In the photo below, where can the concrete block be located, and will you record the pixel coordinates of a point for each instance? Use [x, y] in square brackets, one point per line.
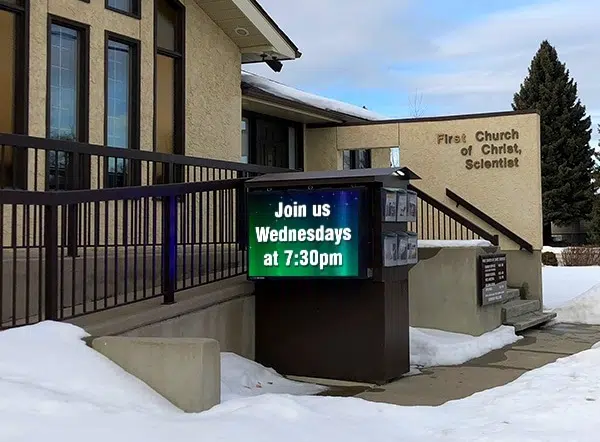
[530, 320]
[186, 371]
[519, 307]
[443, 292]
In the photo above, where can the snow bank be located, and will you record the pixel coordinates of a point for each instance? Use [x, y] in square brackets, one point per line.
[454, 243]
[326, 104]
[563, 284]
[242, 378]
[430, 347]
[48, 368]
[56, 389]
[583, 309]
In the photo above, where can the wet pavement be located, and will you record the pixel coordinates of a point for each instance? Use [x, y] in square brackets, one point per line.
[438, 385]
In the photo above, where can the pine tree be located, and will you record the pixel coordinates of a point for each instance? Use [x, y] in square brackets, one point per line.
[594, 225]
[567, 164]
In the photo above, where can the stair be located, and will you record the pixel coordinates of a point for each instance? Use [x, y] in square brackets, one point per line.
[530, 320]
[523, 314]
[512, 294]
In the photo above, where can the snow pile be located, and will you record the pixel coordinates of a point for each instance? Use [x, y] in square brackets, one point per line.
[563, 284]
[290, 93]
[47, 368]
[54, 388]
[583, 309]
[454, 243]
[242, 378]
[430, 347]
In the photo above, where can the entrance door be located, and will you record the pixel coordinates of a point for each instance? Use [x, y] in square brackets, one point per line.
[272, 143]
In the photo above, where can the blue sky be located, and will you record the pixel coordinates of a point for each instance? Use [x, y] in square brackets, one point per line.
[448, 56]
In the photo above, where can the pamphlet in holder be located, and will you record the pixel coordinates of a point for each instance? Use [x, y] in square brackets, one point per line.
[411, 198]
[389, 204]
[390, 250]
[402, 205]
[413, 248]
[402, 249]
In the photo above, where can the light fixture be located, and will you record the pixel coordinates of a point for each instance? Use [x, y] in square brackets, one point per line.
[273, 63]
[242, 32]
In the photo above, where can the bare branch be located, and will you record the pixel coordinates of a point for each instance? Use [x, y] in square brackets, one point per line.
[415, 105]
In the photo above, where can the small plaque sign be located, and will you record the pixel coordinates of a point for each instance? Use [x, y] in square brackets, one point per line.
[492, 278]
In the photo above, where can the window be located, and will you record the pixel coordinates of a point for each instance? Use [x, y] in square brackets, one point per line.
[13, 93]
[122, 86]
[68, 92]
[357, 159]
[127, 7]
[169, 83]
[245, 140]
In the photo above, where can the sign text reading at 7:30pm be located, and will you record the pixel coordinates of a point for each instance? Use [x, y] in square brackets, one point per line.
[304, 258]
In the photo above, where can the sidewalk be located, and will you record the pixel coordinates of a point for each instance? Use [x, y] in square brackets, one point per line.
[438, 385]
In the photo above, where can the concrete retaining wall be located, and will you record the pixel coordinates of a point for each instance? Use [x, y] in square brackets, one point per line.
[443, 292]
[187, 372]
[223, 311]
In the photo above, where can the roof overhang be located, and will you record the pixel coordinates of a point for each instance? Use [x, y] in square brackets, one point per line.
[251, 29]
[259, 101]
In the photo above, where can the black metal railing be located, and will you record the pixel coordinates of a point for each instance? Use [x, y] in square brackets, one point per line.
[86, 245]
[33, 163]
[523, 244]
[436, 221]
[171, 237]
[41, 164]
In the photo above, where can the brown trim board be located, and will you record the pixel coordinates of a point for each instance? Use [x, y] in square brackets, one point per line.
[427, 119]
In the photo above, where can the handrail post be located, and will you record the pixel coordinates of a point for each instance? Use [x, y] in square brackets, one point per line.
[51, 261]
[73, 169]
[241, 217]
[169, 242]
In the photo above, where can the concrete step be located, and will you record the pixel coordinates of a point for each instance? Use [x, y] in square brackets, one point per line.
[530, 320]
[519, 307]
[512, 293]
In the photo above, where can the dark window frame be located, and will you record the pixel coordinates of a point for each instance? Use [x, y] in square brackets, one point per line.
[134, 168]
[353, 156]
[179, 88]
[82, 179]
[21, 88]
[135, 13]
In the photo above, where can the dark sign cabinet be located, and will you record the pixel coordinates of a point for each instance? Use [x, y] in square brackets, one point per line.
[354, 329]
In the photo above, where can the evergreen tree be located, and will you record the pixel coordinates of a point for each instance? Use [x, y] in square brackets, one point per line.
[594, 225]
[567, 164]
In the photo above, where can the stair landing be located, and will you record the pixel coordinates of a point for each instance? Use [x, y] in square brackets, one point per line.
[523, 314]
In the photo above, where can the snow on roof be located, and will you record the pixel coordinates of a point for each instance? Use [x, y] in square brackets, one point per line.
[289, 93]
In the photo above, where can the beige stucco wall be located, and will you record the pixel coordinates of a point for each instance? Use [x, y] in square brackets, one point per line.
[213, 95]
[512, 195]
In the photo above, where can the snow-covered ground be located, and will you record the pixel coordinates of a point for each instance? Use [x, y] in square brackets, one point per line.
[430, 348]
[563, 284]
[573, 293]
[242, 378]
[55, 388]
